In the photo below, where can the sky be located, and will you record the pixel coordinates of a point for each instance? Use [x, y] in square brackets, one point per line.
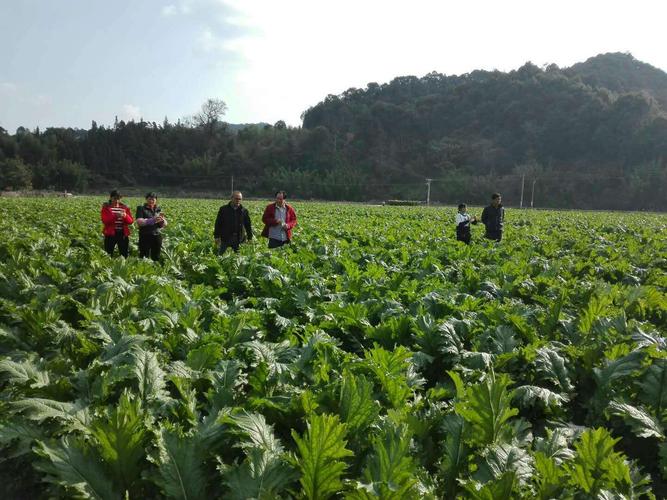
[65, 63]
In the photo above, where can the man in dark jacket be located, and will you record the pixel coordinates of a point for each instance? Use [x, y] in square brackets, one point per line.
[232, 225]
[493, 217]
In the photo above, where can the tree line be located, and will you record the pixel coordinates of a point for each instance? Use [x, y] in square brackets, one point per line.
[571, 141]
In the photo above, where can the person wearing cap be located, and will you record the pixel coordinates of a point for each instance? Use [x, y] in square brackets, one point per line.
[493, 218]
[150, 220]
[232, 225]
[279, 219]
[116, 218]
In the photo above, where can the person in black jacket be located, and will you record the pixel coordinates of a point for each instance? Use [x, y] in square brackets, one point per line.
[493, 217]
[150, 220]
[232, 225]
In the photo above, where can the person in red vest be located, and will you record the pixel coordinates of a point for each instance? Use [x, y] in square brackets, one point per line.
[117, 219]
[279, 219]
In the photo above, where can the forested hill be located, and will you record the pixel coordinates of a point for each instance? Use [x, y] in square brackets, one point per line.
[622, 73]
[590, 136]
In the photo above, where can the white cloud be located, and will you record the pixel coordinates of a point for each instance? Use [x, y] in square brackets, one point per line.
[295, 52]
[8, 88]
[130, 112]
[169, 10]
[184, 7]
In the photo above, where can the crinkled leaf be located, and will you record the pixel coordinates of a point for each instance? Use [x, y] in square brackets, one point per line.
[358, 408]
[641, 422]
[529, 395]
[81, 473]
[321, 451]
[180, 473]
[487, 408]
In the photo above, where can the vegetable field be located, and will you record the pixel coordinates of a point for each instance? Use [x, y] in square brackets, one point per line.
[376, 357]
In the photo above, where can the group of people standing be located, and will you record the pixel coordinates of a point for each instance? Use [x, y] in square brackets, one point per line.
[232, 225]
[493, 218]
[117, 219]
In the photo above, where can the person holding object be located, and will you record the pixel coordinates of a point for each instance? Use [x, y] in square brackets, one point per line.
[232, 225]
[116, 218]
[493, 217]
[463, 221]
[150, 220]
[279, 219]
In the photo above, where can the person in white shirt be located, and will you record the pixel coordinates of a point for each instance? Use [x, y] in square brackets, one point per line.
[463, 221]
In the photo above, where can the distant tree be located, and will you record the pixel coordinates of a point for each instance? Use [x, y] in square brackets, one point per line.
[14, 174]
[209, 116]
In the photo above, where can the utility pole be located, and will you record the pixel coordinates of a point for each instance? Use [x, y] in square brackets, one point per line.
[232, 185]
[523, 179]
[532, 194]
[428, 191]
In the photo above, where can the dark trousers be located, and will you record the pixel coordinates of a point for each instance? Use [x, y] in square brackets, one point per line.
[465, 238]
[494, 235]
[119, 239]
[150, 245]
[273, 243]
[228, 244]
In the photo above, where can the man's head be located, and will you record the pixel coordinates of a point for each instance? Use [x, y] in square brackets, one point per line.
[281, 196]
[236, 199]
[496, 199]
[462, 208]
[151, 198]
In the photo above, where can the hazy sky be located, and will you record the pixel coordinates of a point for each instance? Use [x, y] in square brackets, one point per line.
[68, 62]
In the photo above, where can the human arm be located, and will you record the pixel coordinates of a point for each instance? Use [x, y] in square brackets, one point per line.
[127, 216]
[219, 226]
[485, 216]
[107, 216]
[290, 217]
[269, 217]
[247, 224]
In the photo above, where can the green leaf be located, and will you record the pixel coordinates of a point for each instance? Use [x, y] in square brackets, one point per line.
[227, 380]
[205, 357]
[654, 386]
[596, 465]
[487, 408]
[617, 369]
[321, 450]
[390, 471]
[555, 445]
[529, 395]
[40, 409]
[494, 490]
[391, 368]
[150, 377]
[254, 427]
[642, 423]
[551, 366]
[180, 473]
[358, 408]
[121, 438]
[262, 476]
[23, 373]
[548, 476]
[502, 458]
[68, 465]
[455, 453]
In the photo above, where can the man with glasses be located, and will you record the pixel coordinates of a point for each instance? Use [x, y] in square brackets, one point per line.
[232, 225]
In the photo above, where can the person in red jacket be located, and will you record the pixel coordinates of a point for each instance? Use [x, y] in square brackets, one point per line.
[279, 219]
[117, 219]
